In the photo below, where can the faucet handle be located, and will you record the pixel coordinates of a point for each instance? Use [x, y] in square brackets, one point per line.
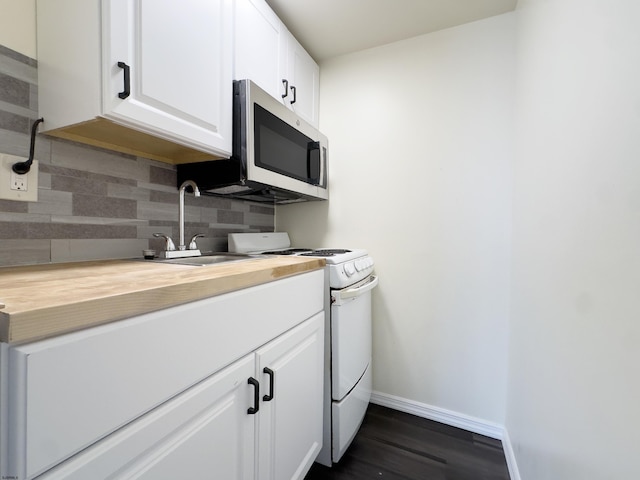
[192, 243]
[169, 245]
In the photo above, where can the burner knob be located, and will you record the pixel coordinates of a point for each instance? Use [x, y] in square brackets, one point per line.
[349, 269]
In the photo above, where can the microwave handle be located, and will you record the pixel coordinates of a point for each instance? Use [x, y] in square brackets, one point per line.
[312, 147]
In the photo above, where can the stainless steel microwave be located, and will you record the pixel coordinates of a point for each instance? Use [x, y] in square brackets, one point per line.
[277, 157]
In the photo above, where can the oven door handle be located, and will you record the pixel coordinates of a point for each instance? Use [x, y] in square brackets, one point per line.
[356, 292]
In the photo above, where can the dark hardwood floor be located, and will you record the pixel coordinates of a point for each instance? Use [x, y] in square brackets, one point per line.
[392, 445]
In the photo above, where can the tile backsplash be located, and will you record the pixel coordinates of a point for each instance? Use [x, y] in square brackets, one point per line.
[93, 203]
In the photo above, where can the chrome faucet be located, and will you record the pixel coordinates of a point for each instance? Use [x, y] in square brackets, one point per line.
[181, 251]
[196, 192]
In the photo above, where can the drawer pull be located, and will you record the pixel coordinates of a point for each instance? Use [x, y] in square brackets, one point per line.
[272, 375]
[256, 396]
[127, 81]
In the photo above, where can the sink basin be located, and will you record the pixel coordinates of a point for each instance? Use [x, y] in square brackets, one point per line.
[211, 259]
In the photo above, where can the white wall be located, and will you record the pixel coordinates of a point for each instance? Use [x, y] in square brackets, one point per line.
[574, 381]
[18, 26]
[420, 134]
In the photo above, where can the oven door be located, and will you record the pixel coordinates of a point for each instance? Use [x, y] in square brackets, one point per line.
[350, 335]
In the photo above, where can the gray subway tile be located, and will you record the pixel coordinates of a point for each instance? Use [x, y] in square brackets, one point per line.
[17, 143]
[12, 206]
[14, 91]
[78, 185]
[229, 216]
[164, 197]
[162, 176]
[157, 211]
[14, 230]
[24, 252]
[52, 202]
[14, 122]
[118, 190]
[97, 206]
[74, 250]
[70, 231]
[9, 53]
[266, 210]
[18, 69]
[94, 160]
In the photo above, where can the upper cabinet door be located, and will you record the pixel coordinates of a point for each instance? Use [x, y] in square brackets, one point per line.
[304, 78]
[167, 68]
[268, 54]
[260, 46]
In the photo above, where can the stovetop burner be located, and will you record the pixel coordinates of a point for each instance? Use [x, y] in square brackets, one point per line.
[325, 252]
[290, 251]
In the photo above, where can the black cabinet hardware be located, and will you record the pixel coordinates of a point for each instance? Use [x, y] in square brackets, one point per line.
[271, 373]
[285, 82]
[256, 396]
[127, 81]
[293, 89]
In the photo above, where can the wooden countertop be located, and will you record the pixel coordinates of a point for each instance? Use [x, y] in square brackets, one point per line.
[46, 300]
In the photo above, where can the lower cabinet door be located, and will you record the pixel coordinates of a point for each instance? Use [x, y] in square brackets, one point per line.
[290, 369]
[204, 432]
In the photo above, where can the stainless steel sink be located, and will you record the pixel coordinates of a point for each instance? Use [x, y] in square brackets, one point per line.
[211, 259]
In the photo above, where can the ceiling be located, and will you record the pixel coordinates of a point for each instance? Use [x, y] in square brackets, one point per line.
[328, 28]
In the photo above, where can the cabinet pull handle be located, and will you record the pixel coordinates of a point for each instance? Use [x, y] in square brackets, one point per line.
[293, 89]
[256, 396]
[285, 82]
[272, 375]
[127, 81]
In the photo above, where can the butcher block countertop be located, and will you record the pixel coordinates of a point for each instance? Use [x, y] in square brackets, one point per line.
[39, 301]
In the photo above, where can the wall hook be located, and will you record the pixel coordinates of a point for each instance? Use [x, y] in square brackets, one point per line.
[23, 167]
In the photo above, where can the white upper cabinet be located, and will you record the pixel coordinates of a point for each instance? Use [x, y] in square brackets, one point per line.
[268, 54]
[260, 46]
[148, 77]
[176, 54]
[303, 74]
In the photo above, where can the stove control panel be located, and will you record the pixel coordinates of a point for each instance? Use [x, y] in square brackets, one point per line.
[347, 273]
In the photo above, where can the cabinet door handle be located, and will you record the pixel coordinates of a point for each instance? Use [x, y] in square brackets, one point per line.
[293, 89]
[256, 396]
[127, 81]
[285, 82]
[272, 376]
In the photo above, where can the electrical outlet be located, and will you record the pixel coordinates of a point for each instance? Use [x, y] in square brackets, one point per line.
[22, 188]
[18, 182]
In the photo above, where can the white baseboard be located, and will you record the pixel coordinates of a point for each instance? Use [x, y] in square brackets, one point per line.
[438, 414]
[454, 419]
[514, 473]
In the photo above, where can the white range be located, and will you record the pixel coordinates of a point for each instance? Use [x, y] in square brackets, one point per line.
[349, 280]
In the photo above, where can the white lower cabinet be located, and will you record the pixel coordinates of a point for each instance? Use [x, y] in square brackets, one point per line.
[133, 399]
[203, 433]
[290, 423]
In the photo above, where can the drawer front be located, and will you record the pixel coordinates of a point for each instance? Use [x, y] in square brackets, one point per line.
[67, 392]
